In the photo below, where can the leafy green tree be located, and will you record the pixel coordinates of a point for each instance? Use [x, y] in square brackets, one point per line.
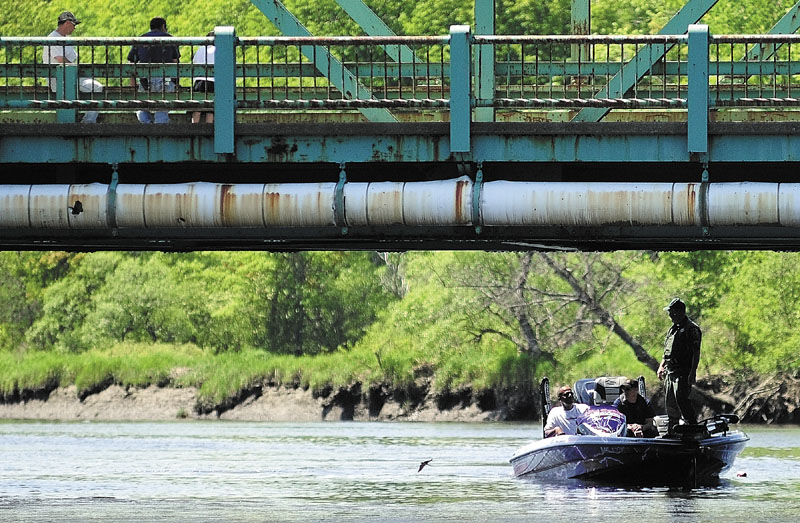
[68, 301]
[307, 303]
[760, 311]
[143, 301]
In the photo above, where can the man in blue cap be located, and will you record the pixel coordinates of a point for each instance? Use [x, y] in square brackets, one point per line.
[678, 368]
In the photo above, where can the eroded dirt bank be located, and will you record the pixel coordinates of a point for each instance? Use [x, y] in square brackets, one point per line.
[756, 400]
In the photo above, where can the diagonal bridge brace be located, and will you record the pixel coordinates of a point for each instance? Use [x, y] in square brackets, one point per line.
[788, 24]
[339, 76]
[645, 59]
[374, 26]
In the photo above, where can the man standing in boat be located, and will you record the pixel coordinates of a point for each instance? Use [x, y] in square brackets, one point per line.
[564, 419]
[678, 368]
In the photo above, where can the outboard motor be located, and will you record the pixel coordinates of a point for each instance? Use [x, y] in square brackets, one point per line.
[602, 421]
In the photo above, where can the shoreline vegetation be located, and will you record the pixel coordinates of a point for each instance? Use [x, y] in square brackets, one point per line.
[167, 382]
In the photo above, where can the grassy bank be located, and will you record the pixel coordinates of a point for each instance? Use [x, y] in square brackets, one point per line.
[220, 378]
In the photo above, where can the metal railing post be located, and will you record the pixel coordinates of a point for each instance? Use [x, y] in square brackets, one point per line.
[224, 89]
[460, 81]
[484, 59]
[698, 92]
[67, 89]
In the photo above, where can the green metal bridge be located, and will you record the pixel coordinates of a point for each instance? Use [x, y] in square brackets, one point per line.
[470, 140]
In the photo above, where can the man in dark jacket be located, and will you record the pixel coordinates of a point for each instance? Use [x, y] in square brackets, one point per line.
[678, 368]
[639, 413]
[155, 54]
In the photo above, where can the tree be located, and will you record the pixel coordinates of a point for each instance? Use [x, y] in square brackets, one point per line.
[307, 303]
[143, 301]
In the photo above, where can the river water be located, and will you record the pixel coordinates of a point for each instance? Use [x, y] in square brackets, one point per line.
[237, 471]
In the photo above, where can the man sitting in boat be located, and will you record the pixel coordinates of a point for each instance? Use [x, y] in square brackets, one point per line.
[639, 413]
[564, 419]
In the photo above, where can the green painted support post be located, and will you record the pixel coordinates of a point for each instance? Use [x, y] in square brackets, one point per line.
[580, 24]
[698, 92]
[224, 89]
[647, 56]
[374, 26]
[484, 59]
[325, 63]
[67, 89]
[460, 80]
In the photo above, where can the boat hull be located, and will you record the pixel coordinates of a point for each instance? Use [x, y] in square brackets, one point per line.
[629, 460]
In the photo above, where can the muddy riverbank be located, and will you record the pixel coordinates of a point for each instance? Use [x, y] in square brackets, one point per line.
[754, 399]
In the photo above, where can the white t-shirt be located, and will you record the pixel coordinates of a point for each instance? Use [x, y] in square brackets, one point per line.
[566, 419]
[51, 52]
[204, 56]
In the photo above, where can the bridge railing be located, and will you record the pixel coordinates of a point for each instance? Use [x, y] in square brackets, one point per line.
[583, 71]
[270, 72]
[754, 70]
[694, 72]
[100, 76]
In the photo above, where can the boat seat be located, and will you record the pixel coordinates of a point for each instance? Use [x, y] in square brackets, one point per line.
[607, 389]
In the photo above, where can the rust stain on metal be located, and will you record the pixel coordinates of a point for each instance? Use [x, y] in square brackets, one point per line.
[226, 203]
[280, 148]
[461, 186]
[272, 207]
[691, 201]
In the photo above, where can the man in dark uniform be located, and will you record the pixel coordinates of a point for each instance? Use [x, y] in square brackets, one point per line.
[678, 369]
[639, 413]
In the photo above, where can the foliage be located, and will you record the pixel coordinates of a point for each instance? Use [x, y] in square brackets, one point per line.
[429, 17]
[226, 322]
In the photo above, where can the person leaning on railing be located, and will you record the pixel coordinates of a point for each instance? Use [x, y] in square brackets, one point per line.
[155, 54]
[67, 54]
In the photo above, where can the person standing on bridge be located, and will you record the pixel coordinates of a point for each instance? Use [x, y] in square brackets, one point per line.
[678, 368]
[155, 54]
[67, 54]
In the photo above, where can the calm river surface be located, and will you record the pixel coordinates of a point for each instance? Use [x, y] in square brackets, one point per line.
[236, 471]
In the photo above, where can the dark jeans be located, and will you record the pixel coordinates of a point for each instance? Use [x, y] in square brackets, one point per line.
[676, 399]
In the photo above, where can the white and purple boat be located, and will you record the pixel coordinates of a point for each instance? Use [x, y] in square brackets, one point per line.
[602, 453]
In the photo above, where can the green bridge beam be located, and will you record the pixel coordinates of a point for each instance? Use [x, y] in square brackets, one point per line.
[374, 26]
[635, 70]
[340, 76]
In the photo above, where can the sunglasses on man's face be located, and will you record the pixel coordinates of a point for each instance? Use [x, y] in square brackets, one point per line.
[566, 395]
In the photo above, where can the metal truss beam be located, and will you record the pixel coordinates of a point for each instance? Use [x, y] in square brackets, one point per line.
[413, 238]
[788, 24]
[383, 144]
[374, 26]
[340, 76]
[623, 81]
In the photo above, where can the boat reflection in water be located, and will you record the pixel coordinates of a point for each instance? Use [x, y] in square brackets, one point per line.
[697, 455]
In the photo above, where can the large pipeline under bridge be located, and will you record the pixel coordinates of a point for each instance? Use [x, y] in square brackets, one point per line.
[453, 214]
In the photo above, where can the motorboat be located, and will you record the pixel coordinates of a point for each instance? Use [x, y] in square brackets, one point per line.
[601, 452]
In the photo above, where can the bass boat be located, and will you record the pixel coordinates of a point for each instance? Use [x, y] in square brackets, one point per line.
[696, 455]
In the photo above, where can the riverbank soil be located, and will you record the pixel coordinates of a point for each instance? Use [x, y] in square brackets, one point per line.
[755, 399]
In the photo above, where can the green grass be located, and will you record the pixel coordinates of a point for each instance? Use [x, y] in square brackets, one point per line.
[222, 378]
[30, 372]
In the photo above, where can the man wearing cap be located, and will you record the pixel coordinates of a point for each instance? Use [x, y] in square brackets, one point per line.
[155, 54]
[66, 54]
[564, 419]
[639, 413]
[678, 368]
